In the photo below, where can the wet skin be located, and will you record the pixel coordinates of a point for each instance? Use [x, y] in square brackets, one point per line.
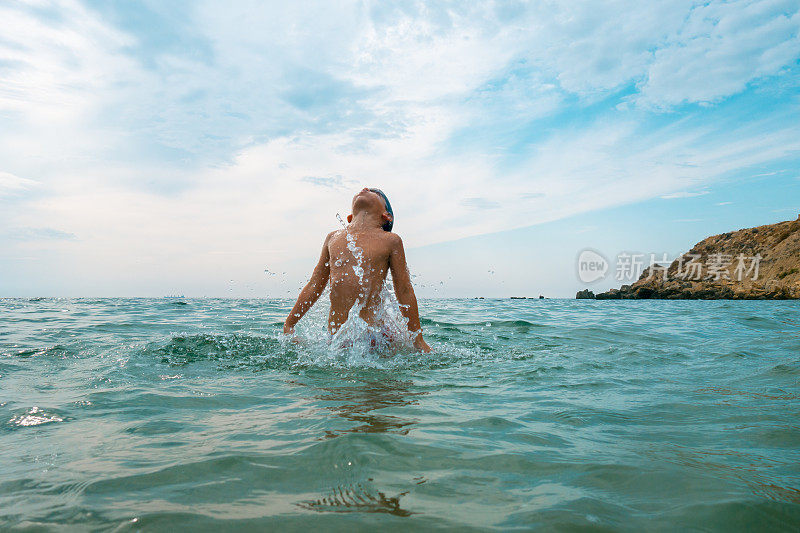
[347, 289]
[357, 270]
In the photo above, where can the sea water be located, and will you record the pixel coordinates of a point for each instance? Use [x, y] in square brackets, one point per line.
[155, 414]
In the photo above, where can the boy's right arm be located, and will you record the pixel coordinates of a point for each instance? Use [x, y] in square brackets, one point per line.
[312, 290]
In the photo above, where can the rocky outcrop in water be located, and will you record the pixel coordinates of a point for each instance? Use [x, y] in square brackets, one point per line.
[761, 263]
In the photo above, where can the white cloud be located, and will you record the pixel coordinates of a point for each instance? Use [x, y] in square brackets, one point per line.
[479, 203]
[258, 212]
[720, 49]
[590, 46]
[295, 105]
[683, 194]
[39, 234]
[56, 66]
[11, 184]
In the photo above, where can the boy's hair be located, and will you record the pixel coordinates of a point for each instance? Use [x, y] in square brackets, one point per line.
[387, 226]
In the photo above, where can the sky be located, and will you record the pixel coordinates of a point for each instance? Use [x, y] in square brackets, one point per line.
[201, 148]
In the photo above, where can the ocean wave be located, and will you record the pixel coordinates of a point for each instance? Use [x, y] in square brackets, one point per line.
[57, 350]
[484, 324]
[232, 349]
[262, 353]
[35, 416]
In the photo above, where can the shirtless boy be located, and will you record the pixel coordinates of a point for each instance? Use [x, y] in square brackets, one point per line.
[374, 250]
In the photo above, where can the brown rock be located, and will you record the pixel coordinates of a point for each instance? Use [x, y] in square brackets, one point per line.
[727, 268]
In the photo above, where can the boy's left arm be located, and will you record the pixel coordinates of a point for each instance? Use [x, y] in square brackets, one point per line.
[401, 279]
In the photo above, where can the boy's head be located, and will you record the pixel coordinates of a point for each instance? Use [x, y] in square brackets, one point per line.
[375, 200]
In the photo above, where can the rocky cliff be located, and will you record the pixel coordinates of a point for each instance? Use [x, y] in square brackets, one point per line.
[761, 263]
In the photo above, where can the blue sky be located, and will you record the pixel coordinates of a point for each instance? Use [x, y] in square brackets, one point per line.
[149, 148]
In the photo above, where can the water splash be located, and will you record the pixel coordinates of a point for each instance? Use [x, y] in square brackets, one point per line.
[355, 343]
[358, 254]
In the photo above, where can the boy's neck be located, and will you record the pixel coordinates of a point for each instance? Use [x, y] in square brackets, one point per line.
[364, 220]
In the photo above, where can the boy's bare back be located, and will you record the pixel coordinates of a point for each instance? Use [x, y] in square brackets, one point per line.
[357, 272]
[356, 260]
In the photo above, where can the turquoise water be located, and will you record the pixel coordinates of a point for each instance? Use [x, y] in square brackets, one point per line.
[120, 414]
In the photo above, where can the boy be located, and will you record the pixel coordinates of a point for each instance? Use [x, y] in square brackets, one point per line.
[356, 260]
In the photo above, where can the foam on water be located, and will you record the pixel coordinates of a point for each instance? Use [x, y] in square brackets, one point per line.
[355, 343]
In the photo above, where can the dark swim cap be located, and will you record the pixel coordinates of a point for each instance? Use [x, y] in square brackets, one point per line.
[388, 225]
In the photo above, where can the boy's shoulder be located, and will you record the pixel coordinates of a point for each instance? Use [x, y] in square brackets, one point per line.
[385, 236]
[393, 238]
[390, 240]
